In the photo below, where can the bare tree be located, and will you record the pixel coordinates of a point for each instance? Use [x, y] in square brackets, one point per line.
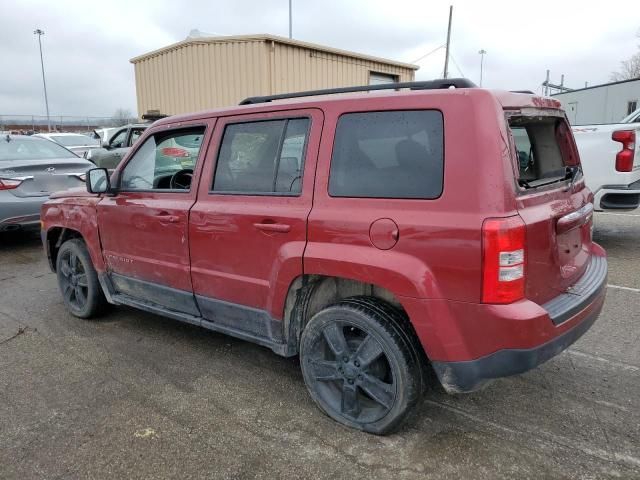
[630, 68]
[123, 116]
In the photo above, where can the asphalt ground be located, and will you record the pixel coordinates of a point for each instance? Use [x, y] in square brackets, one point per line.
[134, 395]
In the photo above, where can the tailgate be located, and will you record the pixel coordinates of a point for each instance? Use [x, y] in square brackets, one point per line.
[552, 201]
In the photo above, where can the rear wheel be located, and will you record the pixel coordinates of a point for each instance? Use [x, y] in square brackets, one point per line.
[359, 366]
[78, 280]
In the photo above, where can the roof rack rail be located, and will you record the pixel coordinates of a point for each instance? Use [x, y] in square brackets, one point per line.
[442, 83]
[153, 116]
[522, 91]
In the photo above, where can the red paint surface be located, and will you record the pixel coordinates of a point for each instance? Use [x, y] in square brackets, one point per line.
[215, 247]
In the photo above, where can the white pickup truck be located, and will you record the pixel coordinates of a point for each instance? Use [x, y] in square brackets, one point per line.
[610, 156]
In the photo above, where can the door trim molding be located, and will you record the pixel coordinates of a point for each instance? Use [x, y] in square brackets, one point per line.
[246, 323]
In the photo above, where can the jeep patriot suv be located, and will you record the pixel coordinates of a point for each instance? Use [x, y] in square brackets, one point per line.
[380, 236]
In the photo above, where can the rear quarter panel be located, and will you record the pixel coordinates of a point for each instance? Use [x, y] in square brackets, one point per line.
[438, 253]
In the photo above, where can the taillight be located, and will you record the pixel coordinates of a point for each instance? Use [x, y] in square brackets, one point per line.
[503, 249]
[9, 183]
[624, 158]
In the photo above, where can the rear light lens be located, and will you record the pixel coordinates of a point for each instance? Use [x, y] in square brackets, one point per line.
[625, 157]
[503, 270]
[9, 183]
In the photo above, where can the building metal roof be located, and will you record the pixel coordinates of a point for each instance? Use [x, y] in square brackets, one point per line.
[597, 86]
[270, 38]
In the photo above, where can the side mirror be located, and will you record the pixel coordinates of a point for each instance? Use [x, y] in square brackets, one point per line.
[105, 144]
[98, 181]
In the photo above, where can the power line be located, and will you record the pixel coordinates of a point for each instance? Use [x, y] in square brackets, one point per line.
[457, 66]
[427, 54]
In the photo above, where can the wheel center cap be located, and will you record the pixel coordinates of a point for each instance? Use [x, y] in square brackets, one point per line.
[74, 280]
[350, 372]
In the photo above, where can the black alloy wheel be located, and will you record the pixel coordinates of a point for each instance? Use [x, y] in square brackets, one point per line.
[358, 365]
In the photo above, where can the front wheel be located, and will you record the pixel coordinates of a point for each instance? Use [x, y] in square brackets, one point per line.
[359, 366]
[78, 280]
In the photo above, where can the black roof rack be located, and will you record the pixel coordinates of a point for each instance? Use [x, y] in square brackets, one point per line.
[523, 91]
[441, 83]
[153, 116]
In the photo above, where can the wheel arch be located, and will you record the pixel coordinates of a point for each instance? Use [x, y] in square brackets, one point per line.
[57, 235]
[309, 294]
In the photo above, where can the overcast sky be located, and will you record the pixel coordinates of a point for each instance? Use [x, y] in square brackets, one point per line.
[87, 45]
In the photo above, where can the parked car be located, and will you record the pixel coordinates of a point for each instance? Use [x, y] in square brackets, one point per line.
[610, 155]
[76, 142]
[104, 134]
[30, 169]
[111, 151]
[372, 235]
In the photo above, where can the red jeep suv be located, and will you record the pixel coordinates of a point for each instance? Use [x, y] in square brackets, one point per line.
[377, 235]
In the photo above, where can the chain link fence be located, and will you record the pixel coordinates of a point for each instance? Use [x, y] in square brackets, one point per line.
[60, 123]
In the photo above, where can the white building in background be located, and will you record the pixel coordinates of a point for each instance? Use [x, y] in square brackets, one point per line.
[606, 103]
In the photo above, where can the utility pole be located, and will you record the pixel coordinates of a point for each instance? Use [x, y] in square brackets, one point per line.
[482, 53]
[546, 85]
[44, 82]
[446, 54]
[290, 21]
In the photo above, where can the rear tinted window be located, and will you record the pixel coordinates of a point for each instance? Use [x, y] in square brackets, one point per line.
[396, 154]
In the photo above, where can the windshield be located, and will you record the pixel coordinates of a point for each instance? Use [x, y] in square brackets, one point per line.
[29, 148]
[75, 140]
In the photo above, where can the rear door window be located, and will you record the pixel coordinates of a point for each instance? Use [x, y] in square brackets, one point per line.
[391, 154]
[264, 157]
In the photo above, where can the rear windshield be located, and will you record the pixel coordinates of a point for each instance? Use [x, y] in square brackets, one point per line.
[75, 140]
[25, 148]
[544, 149]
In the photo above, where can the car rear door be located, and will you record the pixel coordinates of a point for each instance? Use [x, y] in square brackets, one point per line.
[248, 227]
[144, 227]
[555, 206]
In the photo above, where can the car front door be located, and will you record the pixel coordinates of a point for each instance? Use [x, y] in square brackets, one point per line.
[110, 156]
[144, 226]
[248, 227]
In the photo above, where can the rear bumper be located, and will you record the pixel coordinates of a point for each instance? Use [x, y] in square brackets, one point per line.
[19, 212]
[551, 328]
[460, 377]
[618, 197]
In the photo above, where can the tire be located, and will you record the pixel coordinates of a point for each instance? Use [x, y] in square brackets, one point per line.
[360, 366]
[78, 280]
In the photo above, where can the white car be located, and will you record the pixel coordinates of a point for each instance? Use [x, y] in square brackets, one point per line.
[75, 142]
[610, 156]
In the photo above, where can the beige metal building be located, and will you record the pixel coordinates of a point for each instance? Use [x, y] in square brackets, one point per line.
[202, 73]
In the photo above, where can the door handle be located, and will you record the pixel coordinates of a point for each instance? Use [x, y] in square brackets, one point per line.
[273, 227]
[168, 218]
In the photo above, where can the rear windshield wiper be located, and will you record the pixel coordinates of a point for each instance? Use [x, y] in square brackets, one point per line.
[572, 174]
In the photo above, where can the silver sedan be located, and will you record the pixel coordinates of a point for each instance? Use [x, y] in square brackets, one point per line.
[30, 170]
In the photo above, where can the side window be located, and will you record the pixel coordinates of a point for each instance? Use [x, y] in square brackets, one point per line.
[262, 157]
[136, 133]
[395, 154]
[160, 157]
[119, 139]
